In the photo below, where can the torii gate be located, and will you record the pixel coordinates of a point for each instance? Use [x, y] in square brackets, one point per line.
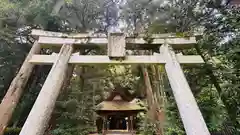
[117, 43]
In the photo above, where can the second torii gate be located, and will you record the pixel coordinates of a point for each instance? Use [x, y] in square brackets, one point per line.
[116, 43]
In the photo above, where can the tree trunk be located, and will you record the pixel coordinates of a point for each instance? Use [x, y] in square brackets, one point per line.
[159, 96]
[16, 89]
[39, 116]
[151, 100]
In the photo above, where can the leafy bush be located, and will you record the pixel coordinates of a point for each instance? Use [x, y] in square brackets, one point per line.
[12, 131]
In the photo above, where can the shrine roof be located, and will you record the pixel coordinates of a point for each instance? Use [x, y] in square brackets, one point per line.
[120, 106]
[120, 100]
[122, 92]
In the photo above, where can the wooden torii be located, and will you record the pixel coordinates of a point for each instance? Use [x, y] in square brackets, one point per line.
[116, 43]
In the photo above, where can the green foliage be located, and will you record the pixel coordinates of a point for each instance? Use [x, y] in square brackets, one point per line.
[145, 125]
[12, 131]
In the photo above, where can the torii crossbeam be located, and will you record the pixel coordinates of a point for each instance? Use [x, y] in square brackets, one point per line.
[116, 43]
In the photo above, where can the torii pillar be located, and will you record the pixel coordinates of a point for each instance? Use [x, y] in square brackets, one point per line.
[191, 116]
[39, 116]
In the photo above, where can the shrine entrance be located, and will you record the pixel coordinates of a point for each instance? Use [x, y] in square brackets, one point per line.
[118, 122]
[118, 113]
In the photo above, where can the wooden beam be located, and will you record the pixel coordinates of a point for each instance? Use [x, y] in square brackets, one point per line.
[106, 60]
[191, 59]
[42, 33]
[97, 59]
[103, 59]
[16, 89]
[131, 43]
[39, 116]
[192, 118]
[82, 41]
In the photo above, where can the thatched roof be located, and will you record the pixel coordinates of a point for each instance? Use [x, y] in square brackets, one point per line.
[119, 106]
[120, 100]
[123, 92]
